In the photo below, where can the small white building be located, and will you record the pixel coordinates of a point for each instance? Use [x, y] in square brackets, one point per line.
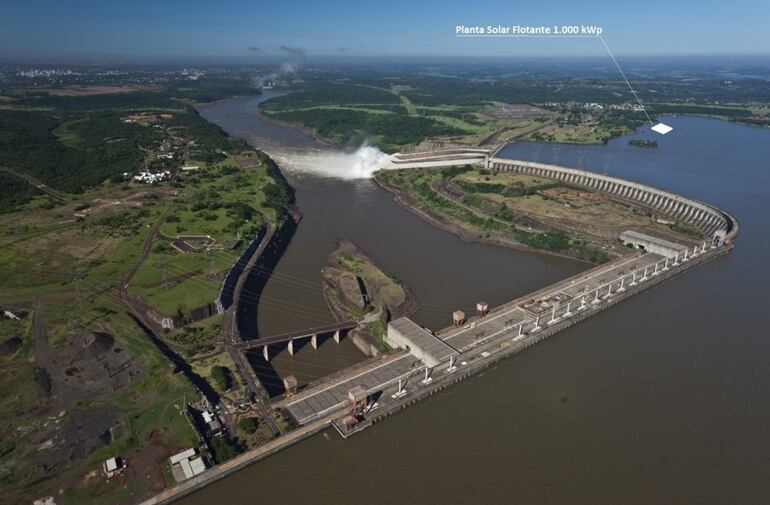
[152, 178]
[112, 467]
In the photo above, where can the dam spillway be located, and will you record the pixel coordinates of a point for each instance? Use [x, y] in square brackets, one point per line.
[528, 319]
[707, 218]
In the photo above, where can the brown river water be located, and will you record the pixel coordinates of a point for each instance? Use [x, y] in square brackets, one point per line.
[663, 399]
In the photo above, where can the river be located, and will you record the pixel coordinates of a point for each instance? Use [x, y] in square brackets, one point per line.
[660, 400]
[425, 258]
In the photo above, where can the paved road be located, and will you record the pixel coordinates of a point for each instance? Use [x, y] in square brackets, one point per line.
[518, 319]
[327, 398]
[232, 339]
[36, 183]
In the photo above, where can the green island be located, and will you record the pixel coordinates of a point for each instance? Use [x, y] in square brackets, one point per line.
[356, 288]
[643, 143]
[518, 210]
[117, 205]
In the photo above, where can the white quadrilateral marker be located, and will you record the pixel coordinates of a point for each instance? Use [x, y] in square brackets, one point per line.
[662, 128]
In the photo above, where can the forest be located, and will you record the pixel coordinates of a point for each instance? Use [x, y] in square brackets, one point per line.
[72, 143]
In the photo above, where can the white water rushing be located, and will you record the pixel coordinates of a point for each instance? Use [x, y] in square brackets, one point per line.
[360, 164]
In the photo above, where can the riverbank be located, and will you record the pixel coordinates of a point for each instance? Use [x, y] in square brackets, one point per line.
[483, 356]
[649, 366]
[465, 233]
[294, 126]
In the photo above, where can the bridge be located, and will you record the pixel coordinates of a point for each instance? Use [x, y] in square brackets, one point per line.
[424, 361]
[334, 329]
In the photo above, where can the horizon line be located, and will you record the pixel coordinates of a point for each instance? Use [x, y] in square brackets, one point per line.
[267, 59]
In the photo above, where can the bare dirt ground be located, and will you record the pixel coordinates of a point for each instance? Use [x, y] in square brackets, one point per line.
[147, 464]
[71, 423]
[515, 111]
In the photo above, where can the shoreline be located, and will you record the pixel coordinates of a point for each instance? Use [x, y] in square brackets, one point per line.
[294, 126]
[290, 438]
[496, 354]
[409, 306]
[362, 336]
[464, 234]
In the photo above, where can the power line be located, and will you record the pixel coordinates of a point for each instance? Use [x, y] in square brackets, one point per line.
[626, 79]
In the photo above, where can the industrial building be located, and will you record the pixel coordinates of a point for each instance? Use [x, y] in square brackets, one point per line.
[420, 343]
[186, 465]
[655, 245]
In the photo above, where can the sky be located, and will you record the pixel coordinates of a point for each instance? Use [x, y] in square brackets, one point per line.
[258, 29]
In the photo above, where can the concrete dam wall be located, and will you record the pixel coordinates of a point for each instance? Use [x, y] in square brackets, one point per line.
[705, 217]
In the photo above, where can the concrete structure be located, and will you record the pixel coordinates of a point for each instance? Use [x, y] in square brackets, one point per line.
[541, 313]
[502, 332]
[458, 317]
[197, 465]
[420, 343]
[112, 467]
[290, 385]
[322, 399]
[707, 218]
[187, 454]
[516, 325]
[357, 399]
[652, 244]
[289, 338]
[186, 465]
[440, 158]
[213, 424]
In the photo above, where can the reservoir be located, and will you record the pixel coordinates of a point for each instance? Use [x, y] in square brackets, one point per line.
[662, 399]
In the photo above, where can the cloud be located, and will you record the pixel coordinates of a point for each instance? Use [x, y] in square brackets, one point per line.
[296, 57]
[254, 49]
[294, 52]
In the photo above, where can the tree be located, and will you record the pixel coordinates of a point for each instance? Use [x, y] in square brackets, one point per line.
[224, 449]
[249, 424]
[221, 377]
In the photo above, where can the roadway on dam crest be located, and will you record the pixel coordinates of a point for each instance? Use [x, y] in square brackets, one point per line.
[625, 409]
[514, 321]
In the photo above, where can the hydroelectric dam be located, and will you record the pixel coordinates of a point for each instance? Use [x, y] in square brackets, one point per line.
[424, 362]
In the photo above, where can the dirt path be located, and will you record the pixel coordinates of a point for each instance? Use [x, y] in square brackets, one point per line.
[146, 248]
[44, 362]
[42, 350]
